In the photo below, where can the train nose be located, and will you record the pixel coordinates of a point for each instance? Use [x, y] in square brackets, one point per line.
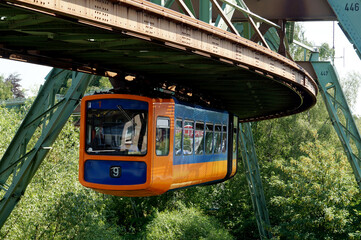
[115, 172]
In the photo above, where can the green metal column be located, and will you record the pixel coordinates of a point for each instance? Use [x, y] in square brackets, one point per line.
[205, 11]
[253, 176]
[339, 112]
[159, 2]
[228, 11]
[22, 159]
[348, 14]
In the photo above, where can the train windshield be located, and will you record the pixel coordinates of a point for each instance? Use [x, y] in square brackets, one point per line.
[116, 127]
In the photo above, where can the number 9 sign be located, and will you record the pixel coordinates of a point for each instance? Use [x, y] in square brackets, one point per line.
[115, 172]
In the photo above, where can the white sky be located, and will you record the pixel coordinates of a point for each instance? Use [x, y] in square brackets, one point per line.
[346, 58]
[317, 32]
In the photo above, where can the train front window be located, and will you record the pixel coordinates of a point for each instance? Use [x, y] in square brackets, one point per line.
[116, 127]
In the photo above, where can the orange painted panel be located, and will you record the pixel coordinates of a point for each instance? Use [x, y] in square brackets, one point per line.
[83, 156]
[234, 167]
[162, 165]
[196, 173]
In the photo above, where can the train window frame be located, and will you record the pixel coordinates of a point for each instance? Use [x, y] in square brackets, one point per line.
[207, 130]
[203, 137]
[217, 142]
[95, 124]
[191, 152]
[160, 126]
[224, 138]
[178, 152]
[235, 137]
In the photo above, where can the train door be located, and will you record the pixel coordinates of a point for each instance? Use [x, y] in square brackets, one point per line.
[235, 133]
[162, 143]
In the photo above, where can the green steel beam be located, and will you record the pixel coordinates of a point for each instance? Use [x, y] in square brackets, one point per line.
[340, 113]
[189, 4]
[205, 11]
[159, 2]
[21, 160]
[272, 39]
[224, 18]
[228, 11]
[348, 15]
[253, 176]
[242, 7]
[169, 3]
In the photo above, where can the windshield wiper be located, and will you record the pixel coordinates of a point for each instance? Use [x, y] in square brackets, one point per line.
[125, 114]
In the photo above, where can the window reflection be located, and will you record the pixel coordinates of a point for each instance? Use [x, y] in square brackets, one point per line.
[162, 136]
[114, 127]
[199, 138]
[188, 132]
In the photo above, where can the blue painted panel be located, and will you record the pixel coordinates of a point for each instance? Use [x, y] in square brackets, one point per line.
[189, 159]
[114, 103]
[98, 171]
[197, 113]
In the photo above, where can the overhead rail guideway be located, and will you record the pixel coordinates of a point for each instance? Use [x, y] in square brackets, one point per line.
[229, 54]
[163, 46]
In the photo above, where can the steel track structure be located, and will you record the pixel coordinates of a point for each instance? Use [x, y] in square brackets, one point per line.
[198, 46]
[160, 45]
[22, 158]
[339, 112]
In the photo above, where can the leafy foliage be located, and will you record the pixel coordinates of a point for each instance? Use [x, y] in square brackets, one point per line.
[185, 223]
[5, 89]
[310, 189]
[311, 194]
[350, 85]
[55, 205]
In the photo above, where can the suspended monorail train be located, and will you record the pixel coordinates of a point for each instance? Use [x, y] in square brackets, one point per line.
[138, 146]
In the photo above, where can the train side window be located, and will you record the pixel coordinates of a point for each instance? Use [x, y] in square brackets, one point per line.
[188, 133]
[217, 138]
[199, 138]
[224, 138]
[178, 137]
[209, 138]
[162, 136]
[235, 124]
[234, 143]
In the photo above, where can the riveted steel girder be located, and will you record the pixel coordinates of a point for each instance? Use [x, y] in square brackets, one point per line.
[21, 160]
[250, 163]
[339, 112]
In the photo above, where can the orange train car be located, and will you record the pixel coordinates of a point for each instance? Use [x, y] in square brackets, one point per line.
[138, 146]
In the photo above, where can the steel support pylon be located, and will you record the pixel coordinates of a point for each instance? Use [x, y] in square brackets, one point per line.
[339, 112]
[348, 15]
[21, 160]
[253, 176]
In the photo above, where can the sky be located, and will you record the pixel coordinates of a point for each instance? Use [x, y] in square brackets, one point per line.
[316, 32]
[346, 59]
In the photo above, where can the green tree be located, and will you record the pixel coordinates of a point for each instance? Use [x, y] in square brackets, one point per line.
[185, 223]
[350, 85]
[5, 89]
[311, 195]
[327, 53]
[55, 205]
[16, 89]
